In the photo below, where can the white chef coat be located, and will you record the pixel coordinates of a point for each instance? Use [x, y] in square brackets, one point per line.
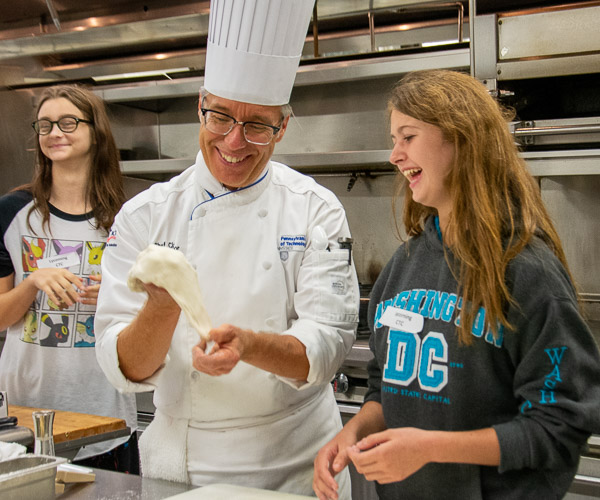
[257, 269]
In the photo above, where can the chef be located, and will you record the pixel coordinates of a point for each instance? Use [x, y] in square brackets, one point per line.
[254, 405]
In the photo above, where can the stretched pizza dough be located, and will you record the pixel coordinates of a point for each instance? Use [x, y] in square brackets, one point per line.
[169, 269]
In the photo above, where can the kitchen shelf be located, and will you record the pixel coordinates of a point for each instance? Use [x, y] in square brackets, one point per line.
[570, 162]
[541, 163]
[310, 74]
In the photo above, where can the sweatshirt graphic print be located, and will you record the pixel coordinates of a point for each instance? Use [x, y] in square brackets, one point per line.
[535, 384]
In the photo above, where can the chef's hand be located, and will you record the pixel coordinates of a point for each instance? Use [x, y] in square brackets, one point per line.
[331, 459]
[227, 350]
[160, 300]
[89, 294]
[391, 455]
[59, 285]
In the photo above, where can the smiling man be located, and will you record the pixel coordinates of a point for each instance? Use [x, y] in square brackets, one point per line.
[255, 405]
[237, 139]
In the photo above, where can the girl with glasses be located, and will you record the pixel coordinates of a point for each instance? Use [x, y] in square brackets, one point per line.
[53, 232]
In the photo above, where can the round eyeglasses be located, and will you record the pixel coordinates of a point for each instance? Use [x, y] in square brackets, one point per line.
[66, 124]
[254, 132]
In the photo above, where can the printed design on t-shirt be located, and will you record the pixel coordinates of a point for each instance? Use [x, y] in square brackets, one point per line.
[94, 251]
[49, 305]
[84, 335]
[30, 327]
[423, 356]
[46, 324]
[65, 247]
[55, 330]
[32, 249]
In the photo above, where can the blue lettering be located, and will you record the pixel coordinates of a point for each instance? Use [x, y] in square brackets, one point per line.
[401, 298]
[438, 304]
[555, 373]
[479, 323]
[426, 307]
[433, 376]
[498, 339]
[554, 355]
[378, 313]
[449, 308]
[401, 364]
[549, 395]
[416, 296]
[381, 307]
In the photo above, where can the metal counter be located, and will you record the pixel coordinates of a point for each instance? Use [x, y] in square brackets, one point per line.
[119, 486]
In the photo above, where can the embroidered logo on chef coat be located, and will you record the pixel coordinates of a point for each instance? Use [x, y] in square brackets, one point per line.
[112, 238]
[291, 243]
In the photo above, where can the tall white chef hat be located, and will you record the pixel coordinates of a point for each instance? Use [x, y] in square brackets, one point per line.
[254, 48]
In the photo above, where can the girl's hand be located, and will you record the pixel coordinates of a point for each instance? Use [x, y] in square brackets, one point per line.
[59, 284]
[89, 294]
[330, 460]
[391, 455]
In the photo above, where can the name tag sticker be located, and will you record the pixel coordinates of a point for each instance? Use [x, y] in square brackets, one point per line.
[59, 261]
[400, 319]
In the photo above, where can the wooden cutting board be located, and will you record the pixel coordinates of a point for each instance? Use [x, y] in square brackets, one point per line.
[69, 425]
[229, 492]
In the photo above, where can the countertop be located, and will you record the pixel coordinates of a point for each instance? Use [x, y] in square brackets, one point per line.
[110, 485]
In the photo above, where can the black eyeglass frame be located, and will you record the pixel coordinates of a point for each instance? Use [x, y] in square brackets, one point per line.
[243, 124]
[35, 124]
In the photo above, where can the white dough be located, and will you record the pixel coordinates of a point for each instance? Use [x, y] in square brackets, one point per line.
[169, 269]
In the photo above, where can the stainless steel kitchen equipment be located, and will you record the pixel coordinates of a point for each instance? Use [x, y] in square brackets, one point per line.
[28, 476]
[542, 58]
[43, 423]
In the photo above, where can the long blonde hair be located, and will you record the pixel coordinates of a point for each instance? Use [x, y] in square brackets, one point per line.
[496, 203]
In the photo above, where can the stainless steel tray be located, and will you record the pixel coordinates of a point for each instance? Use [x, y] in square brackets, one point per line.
[29, 476]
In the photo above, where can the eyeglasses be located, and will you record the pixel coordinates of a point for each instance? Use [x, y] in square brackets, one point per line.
[254, 132]
[66, 124]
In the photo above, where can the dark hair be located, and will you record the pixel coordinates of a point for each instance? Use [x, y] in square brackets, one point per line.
[105, 193]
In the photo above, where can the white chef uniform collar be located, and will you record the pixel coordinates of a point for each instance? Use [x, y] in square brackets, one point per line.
[254, 48]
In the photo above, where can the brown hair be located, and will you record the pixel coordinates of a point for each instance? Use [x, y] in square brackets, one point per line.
[105, 192]
[496, 203]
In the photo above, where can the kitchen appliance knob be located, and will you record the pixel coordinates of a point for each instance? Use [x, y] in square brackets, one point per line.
[340, 383]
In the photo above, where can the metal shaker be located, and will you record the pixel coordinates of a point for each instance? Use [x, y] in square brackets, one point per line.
[43, 421]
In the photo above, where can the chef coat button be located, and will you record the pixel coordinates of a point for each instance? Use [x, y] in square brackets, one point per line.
[267, 265]
[262, 212]
[195, 375]
[201, 212]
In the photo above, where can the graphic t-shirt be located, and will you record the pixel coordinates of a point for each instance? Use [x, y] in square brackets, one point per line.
[48, 360]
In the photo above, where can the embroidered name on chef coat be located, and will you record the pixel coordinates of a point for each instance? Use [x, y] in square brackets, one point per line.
[292, 243]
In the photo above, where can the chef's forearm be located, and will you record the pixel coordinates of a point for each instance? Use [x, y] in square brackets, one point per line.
[283, 355]
[143, 345]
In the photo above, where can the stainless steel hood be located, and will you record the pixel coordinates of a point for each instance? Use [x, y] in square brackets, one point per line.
[45, 41]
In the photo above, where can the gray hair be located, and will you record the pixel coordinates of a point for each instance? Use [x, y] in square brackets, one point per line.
[286, 109]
